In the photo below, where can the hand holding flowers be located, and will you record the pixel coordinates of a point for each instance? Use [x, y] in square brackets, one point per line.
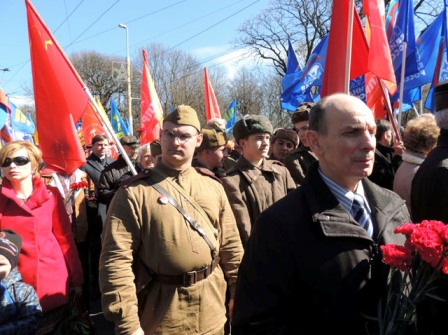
[415, 267]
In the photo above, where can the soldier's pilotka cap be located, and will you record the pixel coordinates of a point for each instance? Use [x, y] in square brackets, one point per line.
[212, 138]
[184, 115]
[10, 245]
[251, 124]
[285, 134]
[156, 148]
[302, 113]
[129, 141]
[441, 96]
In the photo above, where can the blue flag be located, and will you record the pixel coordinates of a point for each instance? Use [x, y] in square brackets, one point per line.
[230, 116]
[400, 28]
[293, 63]
[20, 122]
[441, 66]
[117, 122]
[297, 86]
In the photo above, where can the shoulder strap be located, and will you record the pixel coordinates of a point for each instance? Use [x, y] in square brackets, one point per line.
[188, 198]
[193, 223]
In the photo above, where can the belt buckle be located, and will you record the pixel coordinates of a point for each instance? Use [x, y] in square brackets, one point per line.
[189, 278]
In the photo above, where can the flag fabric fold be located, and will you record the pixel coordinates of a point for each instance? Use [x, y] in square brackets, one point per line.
[211, 104]
[293, 63]
[335, 70]
[117, 122]
[297, 86]
[230, 116]
[380, 60]
[151, 110]
[441, 65]
[59, 96]
[21, 122]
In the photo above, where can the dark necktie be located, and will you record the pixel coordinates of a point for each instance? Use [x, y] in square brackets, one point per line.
[360, 214]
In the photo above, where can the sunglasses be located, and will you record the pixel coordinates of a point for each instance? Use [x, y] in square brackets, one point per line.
[19, 161]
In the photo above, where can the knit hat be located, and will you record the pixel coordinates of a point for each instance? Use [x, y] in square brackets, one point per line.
[302, 112]
[212, 138]
[185, 116]
[441, 96]
[285, 134]
[251, 124]
[10, 245]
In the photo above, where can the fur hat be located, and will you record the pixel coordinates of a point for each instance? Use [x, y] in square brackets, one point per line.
[10, 245]
[251, 124]
[285, 134]
[212, 138]
[302, 112]
[441, 96]
[185, 116]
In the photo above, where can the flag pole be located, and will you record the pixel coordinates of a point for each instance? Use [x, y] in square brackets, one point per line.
[110, 131]
[403, 66]
[389, 110]
[348, 58]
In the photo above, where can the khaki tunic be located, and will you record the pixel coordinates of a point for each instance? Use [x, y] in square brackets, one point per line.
[251, 190]
[139, 222]
[298, 163]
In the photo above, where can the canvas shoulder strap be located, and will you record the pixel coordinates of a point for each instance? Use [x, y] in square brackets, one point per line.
[193, 223]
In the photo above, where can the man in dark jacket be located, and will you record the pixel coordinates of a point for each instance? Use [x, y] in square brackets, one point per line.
[110, 176]
[429, 201]
[308, 258]
[387, 155]
[89, 251]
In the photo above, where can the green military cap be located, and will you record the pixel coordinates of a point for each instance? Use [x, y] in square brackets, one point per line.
[251, 124]
[156, 148]
[185, 116]
[212, 138]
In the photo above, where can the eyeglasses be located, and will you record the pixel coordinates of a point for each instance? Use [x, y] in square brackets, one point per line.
[170, 136]
[19, 161]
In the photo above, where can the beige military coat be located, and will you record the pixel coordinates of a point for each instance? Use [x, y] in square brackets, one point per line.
[251, 190]
[141, 224]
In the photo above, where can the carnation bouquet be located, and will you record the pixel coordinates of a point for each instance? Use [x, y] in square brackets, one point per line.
[415, 267]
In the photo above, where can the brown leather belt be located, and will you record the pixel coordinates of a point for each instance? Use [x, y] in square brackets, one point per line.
[188, 278]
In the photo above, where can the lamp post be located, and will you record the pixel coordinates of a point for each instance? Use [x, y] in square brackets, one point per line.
[128, 61]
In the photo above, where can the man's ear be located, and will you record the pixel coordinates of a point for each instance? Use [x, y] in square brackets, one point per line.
[313, 140]
[199, 140]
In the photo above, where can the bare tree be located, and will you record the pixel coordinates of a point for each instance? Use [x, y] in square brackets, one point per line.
[305, 22]
[179, 79]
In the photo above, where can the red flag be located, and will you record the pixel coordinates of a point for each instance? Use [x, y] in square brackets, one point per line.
[335, 66]
[151, 109]
[211, 105]
[375, 97]
[380, 60]
[92, 125]
[59, 97]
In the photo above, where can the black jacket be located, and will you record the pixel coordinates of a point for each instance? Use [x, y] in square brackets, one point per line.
[309, 267]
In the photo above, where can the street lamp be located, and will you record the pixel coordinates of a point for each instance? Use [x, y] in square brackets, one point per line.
[128, 61]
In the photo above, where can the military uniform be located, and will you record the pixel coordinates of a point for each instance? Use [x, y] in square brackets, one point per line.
[142, 224]
[298, 162]
[251, 190]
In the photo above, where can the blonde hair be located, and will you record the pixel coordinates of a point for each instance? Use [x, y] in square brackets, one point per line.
[34, 154]
[420, 134]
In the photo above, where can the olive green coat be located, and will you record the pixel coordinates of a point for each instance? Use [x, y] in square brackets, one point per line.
[251, 190]
[141, 223]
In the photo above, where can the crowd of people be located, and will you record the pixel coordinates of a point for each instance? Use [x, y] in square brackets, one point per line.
[275, 232]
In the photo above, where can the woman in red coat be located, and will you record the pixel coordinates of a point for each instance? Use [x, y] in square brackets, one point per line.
[49, 260]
